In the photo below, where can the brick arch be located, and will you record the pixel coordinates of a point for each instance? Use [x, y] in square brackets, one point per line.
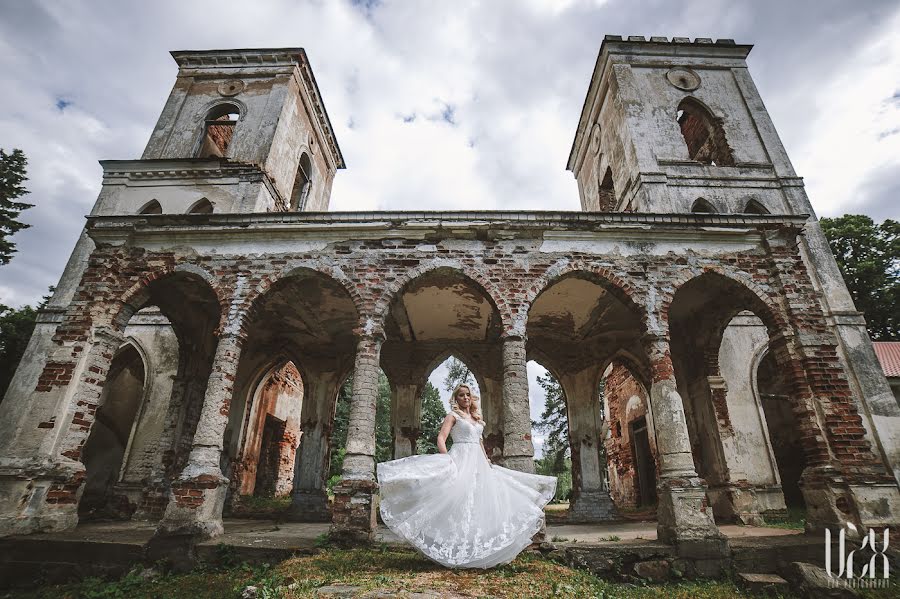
[137, 296]
[251, 301]
[490, 290]
[762, 304]
[619, 287]
[639, 371]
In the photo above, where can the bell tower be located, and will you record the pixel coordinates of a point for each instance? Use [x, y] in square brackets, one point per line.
[678, 126]
[245, 130]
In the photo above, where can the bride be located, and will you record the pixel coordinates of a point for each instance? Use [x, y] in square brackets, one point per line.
[455, 506]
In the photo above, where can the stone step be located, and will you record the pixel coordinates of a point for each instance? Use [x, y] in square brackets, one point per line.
[762, 584]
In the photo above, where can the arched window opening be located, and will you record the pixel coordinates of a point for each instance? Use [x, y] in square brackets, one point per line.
[754, 207]
[151, 207]
[703, 133]
[302, 184]
[219, 131]
[703, 206]
[607, 192]
[204, 206]
[105, 448]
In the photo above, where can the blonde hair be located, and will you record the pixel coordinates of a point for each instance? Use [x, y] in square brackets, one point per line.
[474, 403]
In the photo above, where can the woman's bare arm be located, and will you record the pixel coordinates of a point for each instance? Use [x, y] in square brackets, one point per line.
[449, 419]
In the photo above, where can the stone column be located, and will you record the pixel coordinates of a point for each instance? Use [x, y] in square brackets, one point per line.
[310, 498]
[406, 417]
[353, 514]
[590, 500]
[685, 517]
[518, 450]
[198, 494]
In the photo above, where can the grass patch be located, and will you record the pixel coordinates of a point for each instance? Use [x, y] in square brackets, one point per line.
[794, 519]
[387, 569]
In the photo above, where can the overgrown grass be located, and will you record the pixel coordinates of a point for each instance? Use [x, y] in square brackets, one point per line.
[795, 519]
[389, 570]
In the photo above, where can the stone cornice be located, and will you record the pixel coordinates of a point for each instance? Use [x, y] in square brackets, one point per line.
[301, 229]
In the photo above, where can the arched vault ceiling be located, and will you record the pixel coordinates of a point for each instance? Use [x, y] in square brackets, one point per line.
[442, 306]
[576, 309]
[306, 310]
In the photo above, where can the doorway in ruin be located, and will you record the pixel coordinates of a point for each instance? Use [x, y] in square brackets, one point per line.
[630, 439]
[781, 424]
[273, 433]
[110, 435]
[644, 465]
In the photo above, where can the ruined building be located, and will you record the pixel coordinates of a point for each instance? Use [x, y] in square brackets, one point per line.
[194, 348]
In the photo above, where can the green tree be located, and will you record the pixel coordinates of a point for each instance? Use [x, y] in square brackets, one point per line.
[433, 413]
[554, 424]
[12, 176]
[338, 441]
[16, 326]
[457, 374]
[868, 255]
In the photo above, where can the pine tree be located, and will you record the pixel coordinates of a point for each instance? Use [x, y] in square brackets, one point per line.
[433, 413]
[12, 176]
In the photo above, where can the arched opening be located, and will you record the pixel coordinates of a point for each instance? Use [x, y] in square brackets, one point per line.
[442, 324]
[755, 207]
[202, 206]
[218, 131]
[299, 351]
[717, 326]
[630, 440]
[151, 207]
[110, 434]
[554, 453]
[575, 325]
[607, 192]
[273, 433]
[703, 133]
[302, 184]
[701, 205]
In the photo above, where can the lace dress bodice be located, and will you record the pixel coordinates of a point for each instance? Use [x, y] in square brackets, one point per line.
[466, 431]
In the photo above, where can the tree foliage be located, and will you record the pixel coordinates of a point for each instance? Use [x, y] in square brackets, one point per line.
[12, 176]
[384, 439]
[16, 326]
[433, 413]
[554, 424]
[868, 255]
[457, 374]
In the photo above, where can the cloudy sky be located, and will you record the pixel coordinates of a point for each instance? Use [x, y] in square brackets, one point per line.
[448, 105]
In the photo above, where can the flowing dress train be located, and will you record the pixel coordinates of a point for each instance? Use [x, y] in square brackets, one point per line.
[459, 509]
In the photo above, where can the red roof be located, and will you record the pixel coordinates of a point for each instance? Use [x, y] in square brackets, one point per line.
[888, 353]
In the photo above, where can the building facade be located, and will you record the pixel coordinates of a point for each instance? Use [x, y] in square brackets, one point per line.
[212, 309]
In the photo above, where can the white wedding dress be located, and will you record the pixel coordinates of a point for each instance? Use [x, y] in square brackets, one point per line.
[457, 508]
